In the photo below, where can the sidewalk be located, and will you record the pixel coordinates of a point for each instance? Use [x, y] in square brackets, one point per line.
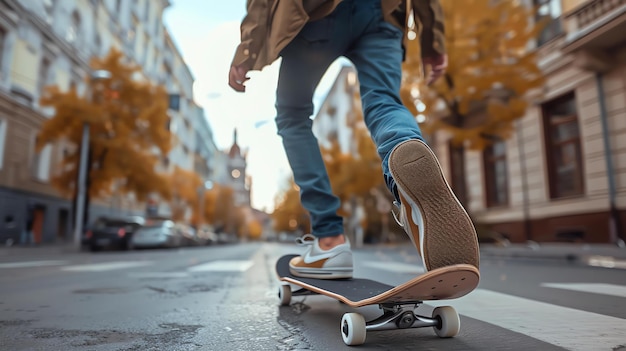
[556, 251]
[38, 250]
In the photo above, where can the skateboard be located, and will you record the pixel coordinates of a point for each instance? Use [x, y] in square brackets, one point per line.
[398, 303]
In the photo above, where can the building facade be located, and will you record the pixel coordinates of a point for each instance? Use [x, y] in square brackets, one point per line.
[205, 148]
[50, 42]
[562, 175]
[332, 118]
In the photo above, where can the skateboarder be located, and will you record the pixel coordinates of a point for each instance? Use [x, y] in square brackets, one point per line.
[309, 35]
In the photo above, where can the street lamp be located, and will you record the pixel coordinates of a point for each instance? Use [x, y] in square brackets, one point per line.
[95, 76]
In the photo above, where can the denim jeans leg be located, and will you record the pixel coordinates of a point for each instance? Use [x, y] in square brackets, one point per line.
[303, 65]
[377, 56]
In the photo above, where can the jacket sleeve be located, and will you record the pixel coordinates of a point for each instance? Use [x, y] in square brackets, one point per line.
[430, 16]
[253, 32]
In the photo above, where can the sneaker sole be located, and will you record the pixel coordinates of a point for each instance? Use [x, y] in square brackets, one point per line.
[449, 236]
[339, 274]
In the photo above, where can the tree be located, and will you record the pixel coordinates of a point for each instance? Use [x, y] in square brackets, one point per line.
[218, 204]
[254, 229]
[128, 134]
[491, 70]
[288, 214]
[185, 187]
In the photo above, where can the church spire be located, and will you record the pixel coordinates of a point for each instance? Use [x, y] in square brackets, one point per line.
[234, 150]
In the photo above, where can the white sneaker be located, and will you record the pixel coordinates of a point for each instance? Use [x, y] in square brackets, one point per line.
[336, 263]
[430, 213]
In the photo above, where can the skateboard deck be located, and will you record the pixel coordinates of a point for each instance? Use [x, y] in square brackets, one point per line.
[440, 284]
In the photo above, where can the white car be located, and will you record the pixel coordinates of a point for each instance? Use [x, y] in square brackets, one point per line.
[159, 233]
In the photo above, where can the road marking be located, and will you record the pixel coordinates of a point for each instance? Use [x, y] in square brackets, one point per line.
[594, 288]
[32, 264]
[396, 267]
[222, 266]
[562, 326]
[106, 266]
[606, 262]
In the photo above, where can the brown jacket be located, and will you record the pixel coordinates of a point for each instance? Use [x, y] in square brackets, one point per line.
[270, 25]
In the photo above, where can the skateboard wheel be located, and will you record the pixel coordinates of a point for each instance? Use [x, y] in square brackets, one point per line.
[284, 294]
[353, 329]
[449, 322]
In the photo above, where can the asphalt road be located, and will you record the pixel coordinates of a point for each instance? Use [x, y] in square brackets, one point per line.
[225, 298]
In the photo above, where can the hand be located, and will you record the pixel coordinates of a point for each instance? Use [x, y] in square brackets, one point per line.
[437, 65]
[236, 78]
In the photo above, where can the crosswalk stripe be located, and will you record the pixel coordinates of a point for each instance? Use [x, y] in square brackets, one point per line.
[222, 266]
[594, 288]
[562, 326]
[106, 266]
[606, 262]
[28, 264]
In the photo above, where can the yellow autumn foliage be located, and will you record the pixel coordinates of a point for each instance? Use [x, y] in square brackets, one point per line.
[491, 69]
[128, 134]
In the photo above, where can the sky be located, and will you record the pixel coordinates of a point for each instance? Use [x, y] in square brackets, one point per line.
[207, 34]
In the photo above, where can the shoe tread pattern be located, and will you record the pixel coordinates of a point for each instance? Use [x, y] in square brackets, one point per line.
[450, 236]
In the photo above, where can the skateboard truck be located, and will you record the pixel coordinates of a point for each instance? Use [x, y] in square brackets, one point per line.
[444, 321]
[401, 317]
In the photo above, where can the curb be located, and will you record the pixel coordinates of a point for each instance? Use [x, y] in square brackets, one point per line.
[570, 257]
[563, 252]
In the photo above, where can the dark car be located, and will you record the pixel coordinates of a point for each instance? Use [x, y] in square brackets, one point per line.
[112, 232]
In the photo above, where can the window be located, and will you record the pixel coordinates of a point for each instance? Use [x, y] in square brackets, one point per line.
[146, 43]
[49, 10]
[146, 9]
[550, 10]
[3, 138]
[3, 35]
[457, 172]
[157, 26]
[41, 162]
[496, 177]
[131, 35]
[44, 72]
[564, 155]
[74, 29]
[97, 47]
[174, 102]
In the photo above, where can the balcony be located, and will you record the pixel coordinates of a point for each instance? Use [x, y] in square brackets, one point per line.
[598, 27]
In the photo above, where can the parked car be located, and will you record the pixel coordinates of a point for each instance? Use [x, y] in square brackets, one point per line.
[207, 236]
[112, 232]
[157, 233]
[188, 234]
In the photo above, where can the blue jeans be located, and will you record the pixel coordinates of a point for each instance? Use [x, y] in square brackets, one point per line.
[356, 30]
